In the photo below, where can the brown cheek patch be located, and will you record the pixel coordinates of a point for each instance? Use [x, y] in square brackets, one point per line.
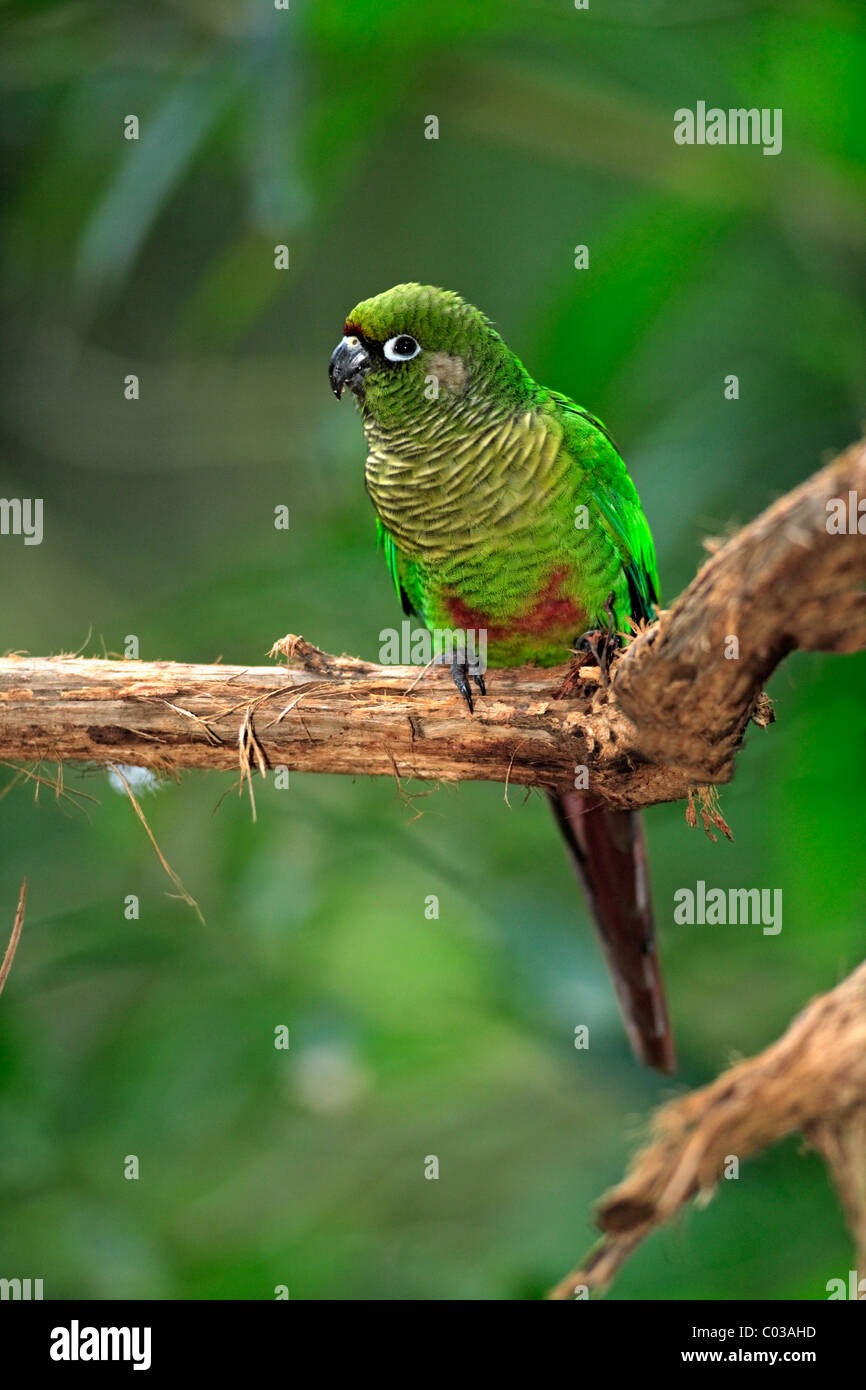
[551, 611]
[449, 371]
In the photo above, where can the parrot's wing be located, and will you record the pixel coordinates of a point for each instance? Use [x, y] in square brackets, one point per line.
[615, 496]
[623, 515]
[392, 560]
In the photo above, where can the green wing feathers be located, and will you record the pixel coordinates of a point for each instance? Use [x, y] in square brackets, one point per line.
[623, 515]
[385, 540]
[612, 492]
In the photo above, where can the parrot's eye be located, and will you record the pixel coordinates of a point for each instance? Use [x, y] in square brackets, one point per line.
[402, 348]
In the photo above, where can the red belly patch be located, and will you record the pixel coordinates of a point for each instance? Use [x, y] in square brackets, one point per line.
[552, 611]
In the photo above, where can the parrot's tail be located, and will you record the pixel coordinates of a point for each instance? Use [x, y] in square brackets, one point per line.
[608, 850]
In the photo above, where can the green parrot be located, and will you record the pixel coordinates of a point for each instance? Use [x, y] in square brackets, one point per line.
[504, 509]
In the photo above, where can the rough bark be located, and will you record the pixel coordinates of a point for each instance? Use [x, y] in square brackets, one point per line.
[672, 716]
[812, 1081]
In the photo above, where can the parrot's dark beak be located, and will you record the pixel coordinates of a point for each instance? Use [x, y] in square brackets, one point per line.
[350, 363]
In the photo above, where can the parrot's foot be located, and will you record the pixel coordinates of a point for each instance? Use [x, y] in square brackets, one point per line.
[602, 643]
[461, 670]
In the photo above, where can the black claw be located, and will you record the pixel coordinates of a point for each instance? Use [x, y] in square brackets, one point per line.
[462, 669]
[601, 643]
[608, 608]
[459, 672]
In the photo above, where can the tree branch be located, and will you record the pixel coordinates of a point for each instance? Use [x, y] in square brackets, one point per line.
[783, 582]
[812, 1081]
[672, 717]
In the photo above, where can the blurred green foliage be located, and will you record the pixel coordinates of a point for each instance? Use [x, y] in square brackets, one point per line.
[409, 1037]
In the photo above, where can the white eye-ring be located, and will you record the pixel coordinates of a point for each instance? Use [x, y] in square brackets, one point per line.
[402, 348]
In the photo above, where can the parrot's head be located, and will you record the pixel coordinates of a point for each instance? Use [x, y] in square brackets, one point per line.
[417, 347]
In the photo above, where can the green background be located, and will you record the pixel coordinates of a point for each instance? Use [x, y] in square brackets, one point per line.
[409, 1037]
